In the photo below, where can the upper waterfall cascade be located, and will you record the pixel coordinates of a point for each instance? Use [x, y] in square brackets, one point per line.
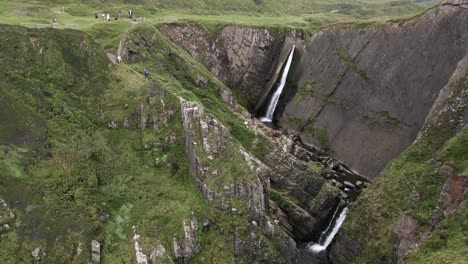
[275, 98]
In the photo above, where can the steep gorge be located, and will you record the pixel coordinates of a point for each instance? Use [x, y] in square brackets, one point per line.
[156, 171]
[365, 93]
[357, 84]
[174, 170]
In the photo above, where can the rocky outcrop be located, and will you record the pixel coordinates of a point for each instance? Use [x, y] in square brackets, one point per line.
[453, 196]
[405, 238]
[408, 235]
[156, 253]
[238, 56]
[95, 251]
[306, 187]
[188, 247]
[303, 200]
[140, 257]
[7, 217]
[206, 135]
[371, 88]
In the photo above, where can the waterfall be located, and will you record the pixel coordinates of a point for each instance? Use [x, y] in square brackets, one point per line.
[325, 239]
[275, 98]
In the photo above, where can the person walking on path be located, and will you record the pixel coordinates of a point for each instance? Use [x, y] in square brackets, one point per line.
[130, 14]
[54, 22]
[119, 59]
[96, 15]
[146, 73]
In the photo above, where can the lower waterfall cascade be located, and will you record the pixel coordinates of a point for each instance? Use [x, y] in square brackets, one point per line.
[326, 238]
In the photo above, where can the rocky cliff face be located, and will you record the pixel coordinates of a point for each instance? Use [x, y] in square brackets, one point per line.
[447, 117]
[365, 93]
[242, 58]
[209, 141]
[371, 88]
[361, 91]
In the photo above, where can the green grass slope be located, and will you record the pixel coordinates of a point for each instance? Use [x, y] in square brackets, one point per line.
[67, 169]
[69, 178]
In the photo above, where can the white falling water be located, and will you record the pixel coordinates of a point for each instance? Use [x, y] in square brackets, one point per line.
[275, 98]
[322, 245]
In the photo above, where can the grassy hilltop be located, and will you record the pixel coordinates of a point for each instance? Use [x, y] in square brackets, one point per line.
[295, 13]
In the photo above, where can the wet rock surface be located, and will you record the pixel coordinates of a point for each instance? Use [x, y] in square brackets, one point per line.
[308, 188]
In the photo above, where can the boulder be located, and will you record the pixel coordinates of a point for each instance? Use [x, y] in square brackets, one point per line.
[157, 253]
[445, 170]
[201, 81]
[349, 185]
[344, 195]
[36, 253]
[95, 251]
[46, 92]
[414, 195]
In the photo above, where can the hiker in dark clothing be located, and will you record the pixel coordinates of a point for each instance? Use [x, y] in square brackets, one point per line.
[146, 73]
[96, 16]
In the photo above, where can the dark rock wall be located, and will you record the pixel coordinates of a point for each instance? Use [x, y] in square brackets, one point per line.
[371, 88]
[448, 115]
[368, 87]
[242, 58]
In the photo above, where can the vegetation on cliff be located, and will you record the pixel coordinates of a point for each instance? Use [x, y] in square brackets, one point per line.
[90, 150]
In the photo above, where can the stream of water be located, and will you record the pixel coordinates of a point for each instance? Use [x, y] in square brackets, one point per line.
[276, 96]
[327, 237]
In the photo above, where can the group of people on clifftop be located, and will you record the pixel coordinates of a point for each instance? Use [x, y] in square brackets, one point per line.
[106, 16]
